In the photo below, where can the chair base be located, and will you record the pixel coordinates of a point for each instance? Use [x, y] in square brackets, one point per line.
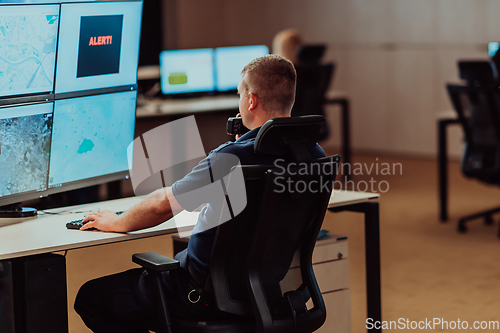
[487, 215]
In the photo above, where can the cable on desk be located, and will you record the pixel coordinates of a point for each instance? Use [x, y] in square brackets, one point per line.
[70, 212]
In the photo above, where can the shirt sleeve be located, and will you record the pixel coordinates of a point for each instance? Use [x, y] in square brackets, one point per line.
[204, 184]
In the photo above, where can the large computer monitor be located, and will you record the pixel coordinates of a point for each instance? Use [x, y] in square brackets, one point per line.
[28, 40]
[77, 134]
[52, 147]
[90, 137]
[25, 133]
[98, 46]
[187, 71]
[229, 61]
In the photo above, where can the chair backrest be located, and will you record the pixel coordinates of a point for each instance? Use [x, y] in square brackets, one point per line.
[478, 109]
[313, 81]
[311, 53]
[252, 253]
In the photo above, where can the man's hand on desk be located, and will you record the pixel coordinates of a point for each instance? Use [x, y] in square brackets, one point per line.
[156, 208]
[104, 221]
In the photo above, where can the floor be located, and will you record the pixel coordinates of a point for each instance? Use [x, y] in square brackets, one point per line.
[429, 270]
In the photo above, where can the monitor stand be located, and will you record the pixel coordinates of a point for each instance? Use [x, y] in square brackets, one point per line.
[16, 211]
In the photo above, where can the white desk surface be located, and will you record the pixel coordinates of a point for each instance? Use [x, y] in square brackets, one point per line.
[166, 107]
[447, 114]
[334, 94]
[341, 198]
[48, 233]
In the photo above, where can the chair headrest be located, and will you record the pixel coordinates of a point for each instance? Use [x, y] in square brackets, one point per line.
[289, 136]
[478, 73]
[311, 54]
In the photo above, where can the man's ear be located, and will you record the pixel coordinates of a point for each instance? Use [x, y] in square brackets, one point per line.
[254, 101]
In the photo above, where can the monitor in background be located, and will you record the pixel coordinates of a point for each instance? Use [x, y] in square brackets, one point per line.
[230, 61]
[28, 40]
[493, 48]
[90, 138]
[98, 46]
[187, 71]
[25, 133]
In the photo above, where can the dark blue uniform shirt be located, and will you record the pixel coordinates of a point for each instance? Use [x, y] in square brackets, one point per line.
[201, 241]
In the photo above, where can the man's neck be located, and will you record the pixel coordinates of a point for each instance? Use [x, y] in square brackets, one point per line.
[261, 118]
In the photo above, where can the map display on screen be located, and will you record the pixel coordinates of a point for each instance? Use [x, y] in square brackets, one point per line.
[90, 136]
[28, 41]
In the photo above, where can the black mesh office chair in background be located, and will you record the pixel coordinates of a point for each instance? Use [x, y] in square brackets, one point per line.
[253, 251]
[313, 81]
[478, 109]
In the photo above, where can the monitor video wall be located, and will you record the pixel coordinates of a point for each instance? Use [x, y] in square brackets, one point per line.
[68, 91]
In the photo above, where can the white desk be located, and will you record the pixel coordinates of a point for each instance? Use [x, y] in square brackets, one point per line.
[444, 119]
[48, 233]
[168, 107]
[362, 202]
[177, 107]
[171, 107]
[343, 198]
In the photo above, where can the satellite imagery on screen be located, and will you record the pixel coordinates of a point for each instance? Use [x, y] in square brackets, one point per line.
[84, 130]
[27, 50]
[24, 153]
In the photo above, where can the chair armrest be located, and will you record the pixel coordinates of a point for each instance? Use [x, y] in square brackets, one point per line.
[155, 261]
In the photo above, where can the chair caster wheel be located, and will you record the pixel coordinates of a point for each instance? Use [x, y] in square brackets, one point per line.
[461, 227]
[488, 220]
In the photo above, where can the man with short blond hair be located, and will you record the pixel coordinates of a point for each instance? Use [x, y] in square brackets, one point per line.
[273, 79]
[123, 302]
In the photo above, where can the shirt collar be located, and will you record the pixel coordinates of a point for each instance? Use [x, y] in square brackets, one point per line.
[249, 135]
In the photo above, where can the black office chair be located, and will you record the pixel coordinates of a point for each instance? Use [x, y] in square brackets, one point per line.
[313, 81]
[253, 251]
[478, 109]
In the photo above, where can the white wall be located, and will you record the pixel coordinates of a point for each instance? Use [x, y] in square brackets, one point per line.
[393, 56]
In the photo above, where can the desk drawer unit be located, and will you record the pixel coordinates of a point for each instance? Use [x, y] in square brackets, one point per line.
[331, 268]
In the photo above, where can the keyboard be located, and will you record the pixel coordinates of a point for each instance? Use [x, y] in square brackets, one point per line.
[77, 224]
